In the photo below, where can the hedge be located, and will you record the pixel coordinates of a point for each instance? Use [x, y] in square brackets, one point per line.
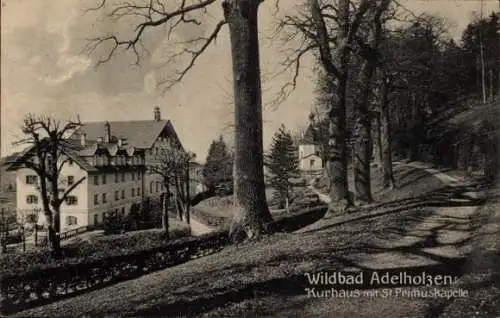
[54, 280]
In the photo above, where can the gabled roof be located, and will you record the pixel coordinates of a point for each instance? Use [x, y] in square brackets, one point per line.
[77, 153]
[311, 155]
[138, 133]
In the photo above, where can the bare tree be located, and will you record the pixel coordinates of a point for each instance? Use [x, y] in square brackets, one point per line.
[171, 165]
[363, 147]
[329, 30]
[251, 215]
[47, 153]
[385, 138]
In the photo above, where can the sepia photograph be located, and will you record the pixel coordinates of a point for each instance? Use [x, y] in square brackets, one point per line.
[250, 158]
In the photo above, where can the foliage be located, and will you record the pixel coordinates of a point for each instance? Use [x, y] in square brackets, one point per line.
[114, 223]
[218, 169]
[83, 251]
[282, 163]
[129, 258]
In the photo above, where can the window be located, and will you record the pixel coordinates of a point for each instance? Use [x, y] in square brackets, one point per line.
[117, 195]
[32, 199]
[138, 191]
[31, 179]
[71, 200]
[104, 198]
[70, 162]
[96, 180]
[103, 179]
[96, 199]
[151, 187]
[133, 192]
[123, 177]
[71, 220]
[157, 186]
[311, 162]
[123, 194]
[71, 180]
[96, 218]
[133, 176]
[117, 177]
[123, 210]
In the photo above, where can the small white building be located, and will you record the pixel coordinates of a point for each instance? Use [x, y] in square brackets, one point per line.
[309, 152]
[112, 157]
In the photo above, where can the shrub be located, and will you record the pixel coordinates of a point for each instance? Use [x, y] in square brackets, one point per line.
[30, 286]
[114, 223]
[98, 248]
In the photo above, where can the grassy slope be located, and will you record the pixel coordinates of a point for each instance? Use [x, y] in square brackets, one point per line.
[264, 278]
[218, 211]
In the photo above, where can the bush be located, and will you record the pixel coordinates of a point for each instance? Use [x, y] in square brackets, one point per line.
[114, 223]
[98, 248]
[224, 189]
[56, 279]
[14, 238]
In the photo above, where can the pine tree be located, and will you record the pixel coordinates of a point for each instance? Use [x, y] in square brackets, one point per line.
[283, 164]
[218, 169]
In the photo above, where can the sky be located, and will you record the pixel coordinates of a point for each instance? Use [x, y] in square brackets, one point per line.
[44, 69]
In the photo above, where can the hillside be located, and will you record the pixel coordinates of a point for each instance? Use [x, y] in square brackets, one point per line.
[267, 278]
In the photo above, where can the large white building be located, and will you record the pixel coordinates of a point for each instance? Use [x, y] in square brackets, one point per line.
[112, 158]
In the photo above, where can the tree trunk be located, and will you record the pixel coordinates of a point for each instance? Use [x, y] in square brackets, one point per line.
[178, 209]
[415, 135]
[251, 215]
[386, 140]
[54, 229]
[187, 197]
[287, 207]
[36, 234]
[23, 238]
[362, 173]
[337, 156]
[164, 212]
[377, 144]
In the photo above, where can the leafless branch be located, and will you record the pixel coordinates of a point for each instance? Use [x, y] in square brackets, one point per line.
[293, 62]
[194, 55]
[149, 15]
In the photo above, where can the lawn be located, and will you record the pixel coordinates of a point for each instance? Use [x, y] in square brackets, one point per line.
[258, 279]
[218, 211]
[92, 245]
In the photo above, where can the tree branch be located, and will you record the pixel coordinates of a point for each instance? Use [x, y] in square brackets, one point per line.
[152, 14]
[195, 54]
[71, 188]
